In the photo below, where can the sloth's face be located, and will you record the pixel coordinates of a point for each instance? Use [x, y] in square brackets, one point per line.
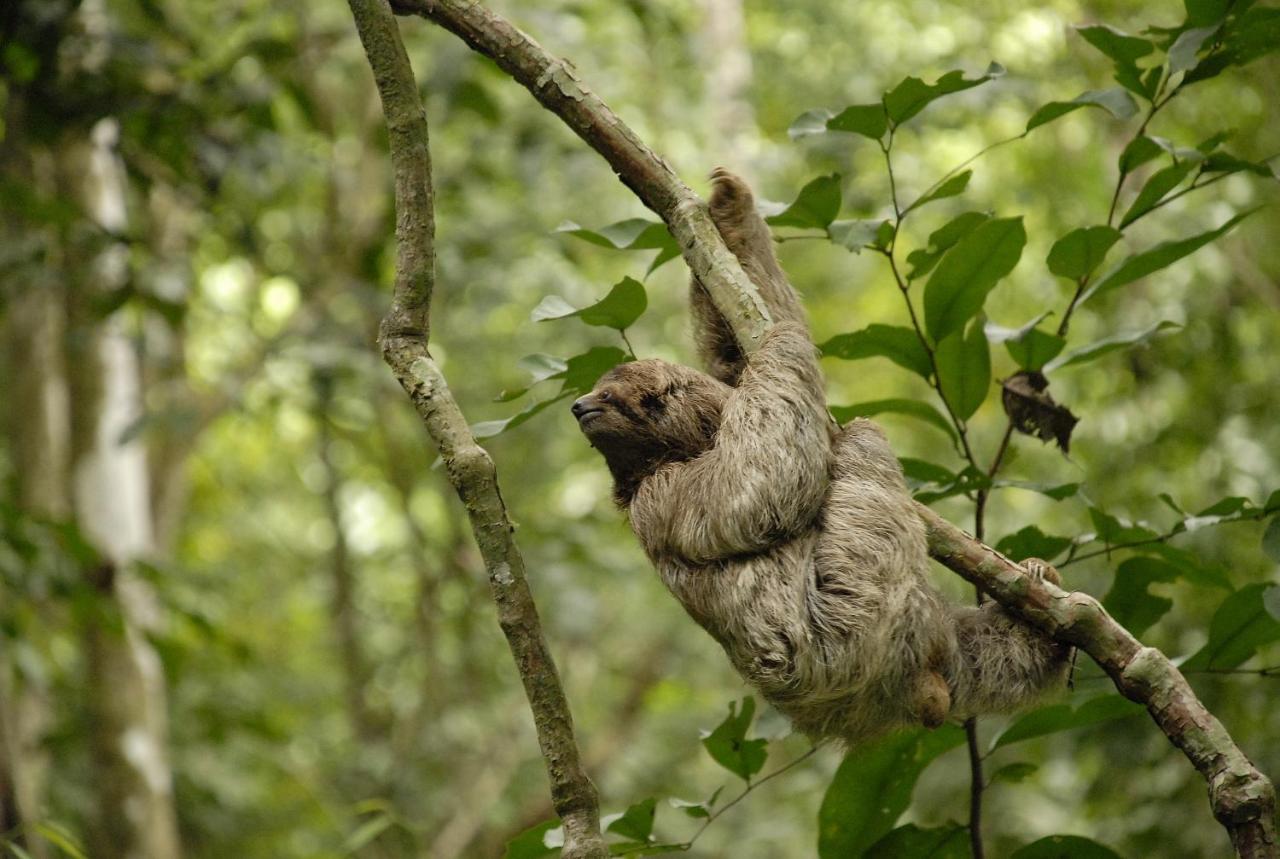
[651, 410]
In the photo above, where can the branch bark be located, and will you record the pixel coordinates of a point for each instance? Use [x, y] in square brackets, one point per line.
[1242, 798]
[404, 337]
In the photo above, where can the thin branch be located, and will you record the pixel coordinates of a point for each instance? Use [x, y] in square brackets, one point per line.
[403, 338]
[1243, 800]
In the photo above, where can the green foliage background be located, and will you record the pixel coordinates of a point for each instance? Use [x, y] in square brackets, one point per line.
[260, 202]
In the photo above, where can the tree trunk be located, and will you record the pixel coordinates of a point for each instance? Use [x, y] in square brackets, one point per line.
[110, 491]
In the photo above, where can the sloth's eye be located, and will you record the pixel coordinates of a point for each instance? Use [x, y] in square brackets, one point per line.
[604, 396]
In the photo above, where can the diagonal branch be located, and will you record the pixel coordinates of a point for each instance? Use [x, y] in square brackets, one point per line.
[1243, 800]
[403, 337]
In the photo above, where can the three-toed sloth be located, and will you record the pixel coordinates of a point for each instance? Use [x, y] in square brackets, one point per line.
[798, 548]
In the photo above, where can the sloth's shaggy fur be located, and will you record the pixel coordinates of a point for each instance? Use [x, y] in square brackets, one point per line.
[798, 551]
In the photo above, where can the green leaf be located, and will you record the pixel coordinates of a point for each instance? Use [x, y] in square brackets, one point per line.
[959, 285]
[1064, 717]
[59, 837]
[1182, 54]
[533, 842]
[809, 123]
[1162, 255]
[1031, 542]
[1156, 188]
[1030, 347]
[633, 234]
[1065, 847]
[1239, 627]
[1139, 151]
[869, 120]
[913, 842]
[635, 823]
[1056, 491]
[366, 832]
[1223, 162]
[912, 408]
[1099, 348]
[920, 471]
[964, 369]
[899, 345]
[578, 377]
[1116, 44]
[943, 239]
[1115, 101]
[913, 95]
[728, 744]
[1271, 539]
[873, 787]
[950, 188]
[1130, 602]
[816, 206]
[697, 809]
[968, 481]
[856, 235]
[1112, 530]
[1014, 772]
[1082, 250]
[618, 310]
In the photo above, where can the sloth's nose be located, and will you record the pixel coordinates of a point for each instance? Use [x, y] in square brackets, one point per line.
[580, 405]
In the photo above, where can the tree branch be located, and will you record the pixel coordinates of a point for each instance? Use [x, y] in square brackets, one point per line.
[403, 337]
[1242, 798]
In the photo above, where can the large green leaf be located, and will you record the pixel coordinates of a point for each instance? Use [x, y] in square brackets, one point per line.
[1116, 44]
[578, 376]
[1240, 626]
[1130, 602]
[959, 284]
[1031, 542]
[816, 206]
[1156, 188]
[912, 842]
[942, 240]
[1183, 53]
[873, 787]
[1115, 101]
[952, 187]
[1082, 250]
[619, 309]
[912, 408]
[728, 745]
[636, 823]
[532, 843]
[869, 120]
[912, 95]
[1109, 344]
[1064, 717]
[633, 234]
[900, 345]
[964, 369]
[1030, 347]
[1161, 256]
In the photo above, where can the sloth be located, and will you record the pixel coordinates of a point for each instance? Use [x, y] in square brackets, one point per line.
[797, 547]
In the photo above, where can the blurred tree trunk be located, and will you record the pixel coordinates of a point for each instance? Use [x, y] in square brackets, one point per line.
[110, 493]
[37, 435]
[365, 723]
[727, 61]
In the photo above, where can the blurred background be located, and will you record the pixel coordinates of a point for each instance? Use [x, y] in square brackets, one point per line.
[220, 512]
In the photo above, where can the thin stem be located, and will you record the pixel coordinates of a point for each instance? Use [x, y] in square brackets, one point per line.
[1180, 528]
[975, 789]
[623, 333]
[718, 813]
